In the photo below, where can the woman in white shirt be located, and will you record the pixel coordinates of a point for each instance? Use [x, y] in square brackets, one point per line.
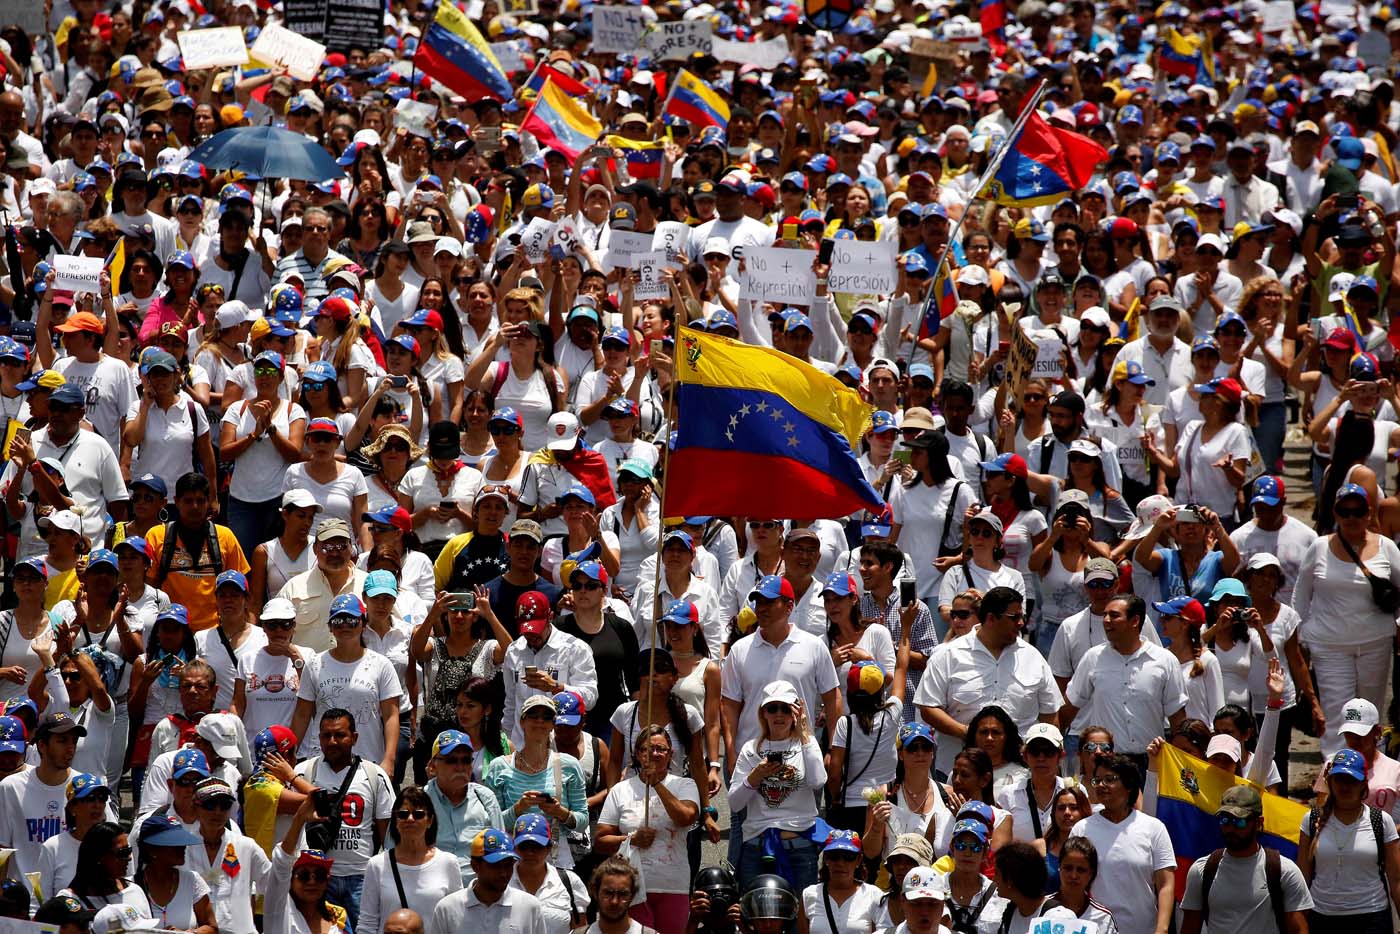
[1349, 636]
[914, 803]
[981, 567]
[166, 432]
[413, 873]
[562, 895]
[1238, 639]
[265, 690]
[1181, 621]
[1213, 452]
[1354, 873]
[179, 897]
[295, 899]
[104, 848]
[86, 808]
[659, 845]
[842, 904]
[928, 510]
[339, 488]
[774, 782]
[439, 494]
[862, 758]
[528, 381]
[261, 436]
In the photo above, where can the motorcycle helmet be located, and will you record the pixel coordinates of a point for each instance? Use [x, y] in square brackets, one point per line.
[769, 898]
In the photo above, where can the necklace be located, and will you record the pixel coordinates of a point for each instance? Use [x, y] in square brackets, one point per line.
[525, 766]
[909, 799]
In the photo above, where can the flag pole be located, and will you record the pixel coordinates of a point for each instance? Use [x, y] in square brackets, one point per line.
[988, 174]
[656, 578]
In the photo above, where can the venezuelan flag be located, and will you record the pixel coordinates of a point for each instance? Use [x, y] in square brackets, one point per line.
[696, 102]
[1187, 56]
[643, 159]
[557, 120]
[1188, 797]
[116, 266]
[454, 52]
[992, 15]
[942, 300]
[538, 78]
[747, 412]
[1044, 164]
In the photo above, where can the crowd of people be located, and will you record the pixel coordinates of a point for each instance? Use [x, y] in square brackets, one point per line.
[340, 596]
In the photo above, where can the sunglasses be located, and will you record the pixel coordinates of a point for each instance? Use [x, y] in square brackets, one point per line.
[277, 625]
[769, 524]
[960, 614]
[919, 746]
[266, 371]
[1355, 512]
[460, 761]
[415, 814]
[218, 804]
[963, 846]
[590, 586]
[1100, 585]
[1096, 748]
[188, 782]
[1034, 397]
[777, 708]
[311, 875]
[498, 430]
[982, 531]
[315, 228]
[322, 437]
[122, 853]
[1229, 820]
[72, 677]
[841, 856]
[541, 714]
[396, 447]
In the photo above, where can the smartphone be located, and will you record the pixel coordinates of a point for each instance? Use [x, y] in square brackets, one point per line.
[904, 456]
[824, 251]
[789, 231]
[775, 758]
[463, 600]
[21, 433]
[546, 797]
[448, 504]
[488, 139]
[1348, 202]
[656, 347]
[907, 593]
[324, 801]
[398, 382]
[530, 670]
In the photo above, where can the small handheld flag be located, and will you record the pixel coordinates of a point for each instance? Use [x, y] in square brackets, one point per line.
[454, 52]
[557, 120]
[696, 102]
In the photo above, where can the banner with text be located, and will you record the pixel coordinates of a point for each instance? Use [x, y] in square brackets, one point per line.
[281, 48]
[679, 40]
[617, 29]
[354, 24]
[212, 48]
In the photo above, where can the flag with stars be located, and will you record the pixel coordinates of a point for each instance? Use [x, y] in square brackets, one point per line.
[749, 412]
[1044, 164]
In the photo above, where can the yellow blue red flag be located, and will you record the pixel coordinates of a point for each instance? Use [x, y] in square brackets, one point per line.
[557, 120]
[747, 412]
[696, 102]
[643, 159]
[454, 52]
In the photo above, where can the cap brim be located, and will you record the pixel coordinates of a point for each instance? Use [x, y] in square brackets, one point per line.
[1267, 500]
[1357, 729]
[499, 857]
[12, 746]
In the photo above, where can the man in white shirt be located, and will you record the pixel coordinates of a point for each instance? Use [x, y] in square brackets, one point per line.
[490, 903]
[614, 886]
[1128, 684]
[730, 223]
[1164, 357]
[1301, 168]
[107, 383]
[1273, 532]
[129, 192]
[678, 582]
[990, 665]
[1050, 452]
[1212, 290]
[543, 660]
[32, 801]
[801, 555]
[1247, 196]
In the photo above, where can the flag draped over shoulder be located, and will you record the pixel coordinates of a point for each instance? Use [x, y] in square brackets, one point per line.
[643, 159]
[696, 102]
[557, 120]
[1044, 164]
[1188, 797]
[586, 466]
[764, 435]
[454, 53]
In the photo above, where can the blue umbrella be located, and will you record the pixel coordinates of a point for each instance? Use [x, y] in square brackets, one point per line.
[267, 152]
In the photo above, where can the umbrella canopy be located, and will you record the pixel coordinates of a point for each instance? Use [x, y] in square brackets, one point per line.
[267, 152]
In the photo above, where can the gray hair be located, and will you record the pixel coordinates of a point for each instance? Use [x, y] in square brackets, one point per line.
[66, 203]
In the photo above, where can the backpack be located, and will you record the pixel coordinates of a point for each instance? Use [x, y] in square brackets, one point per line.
[1273, 875]
[1377, 828]
[167, 552]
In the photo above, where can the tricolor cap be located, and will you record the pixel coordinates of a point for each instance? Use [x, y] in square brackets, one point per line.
[883, 421]
[771, 587]
[840, 583]
[276, 738]
[1364, 367]
[449, 741]
[347, 604]
[570, 708]
[1352, 489]
[846, 841]
[1188, 608]
[1226, 388]
[493, 846]
[681, 612]
[1013, 464]
[12, 735]
[532, 828]
[1268, 490]
[912, 731]
[593, 570]
[865, 677]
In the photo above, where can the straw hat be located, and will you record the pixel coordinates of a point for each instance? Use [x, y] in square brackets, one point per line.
[373, 449]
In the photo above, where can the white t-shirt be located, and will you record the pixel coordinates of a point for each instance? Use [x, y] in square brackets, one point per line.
[1288, 543]
[1201, 481]
[30, 813]
[368, 798]
[210, 647]
[1346, 878]
[625, 721]
[231, 895]
[421, 487]
[92, 753]
[336, 498]
[168, 449]
[258, 471]
[178, 913]
[870, 757]
[529, 397]
[58, 857]
[920, 512]
[424, 885]
[856, 915]
[358, 687]
[110, 388]
[392, 311]
[1130, 851]
[664, 863]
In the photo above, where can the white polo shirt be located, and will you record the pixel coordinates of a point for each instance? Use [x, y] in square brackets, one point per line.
[1130, 695]
[563, 657]
[965, 677]
[1076, 636]
[516, 911]
[1171, 370]
[753, 662]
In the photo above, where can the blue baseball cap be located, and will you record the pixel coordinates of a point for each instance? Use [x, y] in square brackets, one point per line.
[190, 761]
[846, 841]
[11, 349]
[1168, 152]
[532, 828]
[580, 492]
[1133, 373]
[449, 741]
[1364, 282]
[912, 731]
[677, 535]
[972, 826]
[841, 583]
[1364, 366]
[235, 578]
[1352, 489]
[772, 586]
[723, 319]
[1130, 114]
[883, 421]
[1180, 606]
[36, 564]
[318, 372]
[1229, 317]
[175, 612]
[1268, 490]
[12, 735]
[347, 604]
[569, 707]
[923, 370]
[169, 831]
[1350, 763]
[493, 846]
[508, 415]
[84, 785]
[1204, 343]
[1350, 152]
[683, 612]
[102, 557]
[796, 321]
[980, 810]
[619, 334]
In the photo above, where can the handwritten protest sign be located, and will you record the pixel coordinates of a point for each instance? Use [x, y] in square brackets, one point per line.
[862, 267]
[212, 48]
[623, 245]
[510, 54]
[417, 117]
[672, 237]
[768, 54]
[650, 267]
[566, 237]
[281, 48]
[679, 40]
[779, 275]
[77, 273]
[535, 239]
[618, 28]
[1020, 359]
[1279, 15]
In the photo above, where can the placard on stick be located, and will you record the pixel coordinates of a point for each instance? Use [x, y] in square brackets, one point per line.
[650, 267]
[212, 48]
[77, 273]
[1020, 359]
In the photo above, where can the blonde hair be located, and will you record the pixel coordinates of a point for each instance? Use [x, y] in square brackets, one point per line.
[534, 300]
[799, 727]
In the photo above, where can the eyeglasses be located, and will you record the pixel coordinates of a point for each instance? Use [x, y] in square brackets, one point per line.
[1042, 751]
[1230, 820]
[498, 430]
[1103, 781]
[460, 761]
[316, 228]
[415, 814]
[196, 687]
[311, 875]
[616, 894]
[338, 545]
[378, 528]
[100, 796]
[217, 804]
[981, 530]
[1034, 397]
[1013, 617]
[960, 614]
[590, 586]
[776, 708]
[189, 782]
[153, 134]
[541, 714]
[964, 846]
[1274, 295]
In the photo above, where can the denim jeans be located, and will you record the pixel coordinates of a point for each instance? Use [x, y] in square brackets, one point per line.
[345, 892]
[801, 856]
[253, 523]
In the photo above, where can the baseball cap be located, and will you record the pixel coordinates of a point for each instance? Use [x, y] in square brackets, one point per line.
[1241, 801]
[532, 612]
[57, 722]
[1348, 762]
[113, 918]
[1013, 464]
[915, 846]
[527, 528]
[65, 909]
[846, 841]
[1268, 490]
[221, 731]
[276, 738]
[1359, 716]
[449, 741]
[347, 604]
[189, 762]
[1045, 732]
[570, 708]
[1352, 489]
[493, 846]
[1188, 608]
[532, 828]
[12, 735]
[543, 701]
[922, 882]
[968, 825]
[778, 692]
[1228, 389]
[563, 430]
[332, 528]
[771, 587]
[1100, 569]
[913, 731]
[682, 612]
[381, 583]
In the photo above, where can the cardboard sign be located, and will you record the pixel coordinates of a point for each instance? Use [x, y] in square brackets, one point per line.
[1049, 353]
[618, 28]
[678, 41]
[1020, 359]
[768, 54]
[930, 57]
[566, 238]
[535, 239]
[672, 238]
[354, 24]
[650, 267]
[305, 18]
[417, 117]
[861, 267]
[77, 273]
[623, 245]
[510, 54]
[779, 275]
[281, 48]
[212, 48]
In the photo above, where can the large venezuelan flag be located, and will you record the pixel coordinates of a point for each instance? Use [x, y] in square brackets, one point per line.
[1187, 56]
[1188, 796]
[643, 159]
[696, 102]
[764, 435]
[1044, 164]
[536, 82]
[454, 53]
[557, 120]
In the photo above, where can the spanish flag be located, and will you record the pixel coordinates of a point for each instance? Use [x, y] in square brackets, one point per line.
[748, 412]
[695, 102]
[557, 120]
[454, 53]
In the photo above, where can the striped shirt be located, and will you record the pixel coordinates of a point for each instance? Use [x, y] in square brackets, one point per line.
[309, 272]
[510, 784]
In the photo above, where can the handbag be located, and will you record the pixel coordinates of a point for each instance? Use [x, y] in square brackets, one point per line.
[1384, 594]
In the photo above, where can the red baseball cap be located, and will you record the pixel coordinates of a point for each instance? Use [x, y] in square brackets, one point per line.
[532, 613]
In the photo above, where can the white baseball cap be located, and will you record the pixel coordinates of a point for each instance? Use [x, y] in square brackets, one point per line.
[781, 692]
[922, 882]
[1359, 716]
[1223, 744]
[563, 431]
[64, 519]
[300, 499]
[278, 608]
[1044, 731]
[120, 918]
[221, 731]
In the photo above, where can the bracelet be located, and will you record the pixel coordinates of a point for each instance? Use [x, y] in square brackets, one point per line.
[712, 764]
[711, 812]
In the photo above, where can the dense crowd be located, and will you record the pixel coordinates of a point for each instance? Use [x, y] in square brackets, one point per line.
[340, 596]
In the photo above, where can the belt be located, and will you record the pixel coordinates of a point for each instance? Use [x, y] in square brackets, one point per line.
[789, 834]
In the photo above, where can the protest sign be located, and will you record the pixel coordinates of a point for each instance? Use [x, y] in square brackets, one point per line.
[510, 54]
[650, 267]
[295, 54]
[1049, 354]
[862, 267]
[212, 48]
[354, 24]
[1020, 359]
[679, 40]
[618, 29]
[1279, 15]
[566, 237]
[305, 18]
[768, 54]
[779, 275]
[623, 245]
[535, 239]
[77, 273]
[27, 14]
[931, 55]
[1373, 48]
[672, 237]
[417, 117]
